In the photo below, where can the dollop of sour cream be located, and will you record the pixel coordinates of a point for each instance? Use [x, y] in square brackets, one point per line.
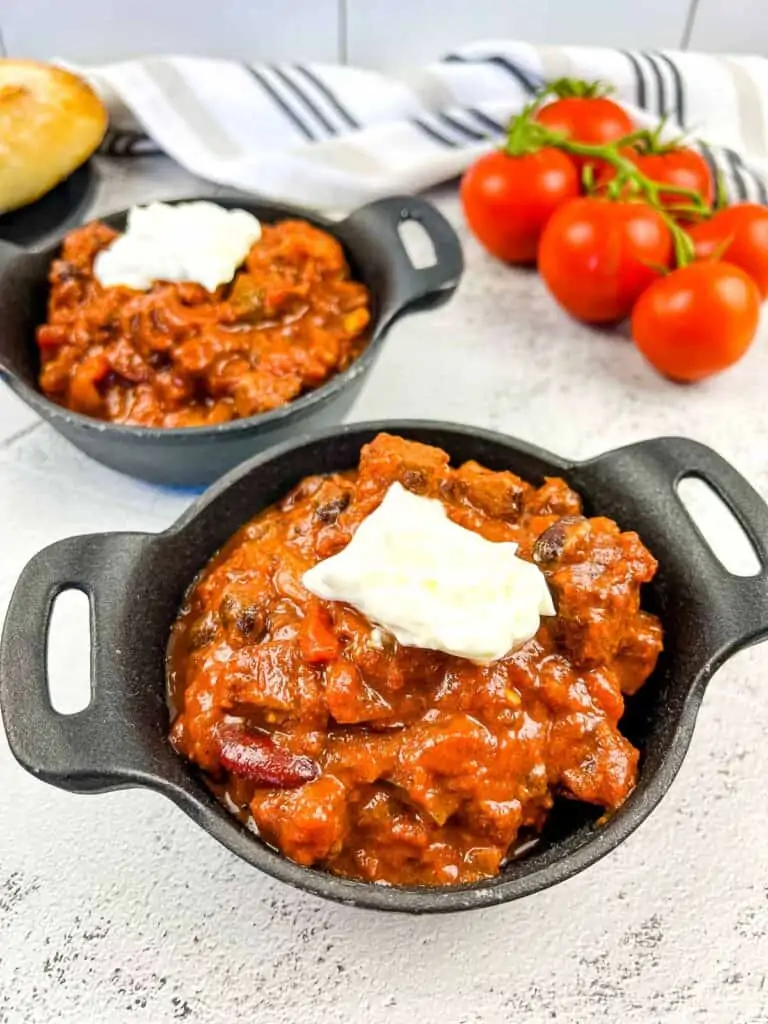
[196, 241]
[434, 584]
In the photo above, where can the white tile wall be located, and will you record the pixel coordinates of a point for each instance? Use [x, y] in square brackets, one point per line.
[731, 26]
[377, 33]
[378, 37]
[100, 30]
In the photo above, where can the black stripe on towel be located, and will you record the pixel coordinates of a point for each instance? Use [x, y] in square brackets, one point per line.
[708, 155]
[119, 143]
[462, 129]
[301, 95]
[278, 100]
[661, 89]
[529, 84]
[750, 176]
[496, 127]
[433, 133]
[116, 143]
[726, 165]
[738, 178]
[641, 89]
[328, 95]
[679, 87]
[762, 191]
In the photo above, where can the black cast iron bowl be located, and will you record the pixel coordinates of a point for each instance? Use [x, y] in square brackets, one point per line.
[135, 584]
[54, 213]
[192, 456]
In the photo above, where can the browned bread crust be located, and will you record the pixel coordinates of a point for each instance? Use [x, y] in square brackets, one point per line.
[50, 122]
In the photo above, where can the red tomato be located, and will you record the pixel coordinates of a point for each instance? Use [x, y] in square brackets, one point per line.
[697, 321]
[684, 168]
[317, 640]
[592, 119]
[597, 256]
[508, 199]
[738, 234]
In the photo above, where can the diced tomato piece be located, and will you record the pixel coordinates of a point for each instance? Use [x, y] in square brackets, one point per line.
[51, 335]
[83, 391]
[350, 699]
[318, 641]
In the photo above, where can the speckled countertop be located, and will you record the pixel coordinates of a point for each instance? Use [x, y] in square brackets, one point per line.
[118, 909]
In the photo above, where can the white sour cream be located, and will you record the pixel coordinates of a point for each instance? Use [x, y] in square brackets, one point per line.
[199, 242]
[434, 584]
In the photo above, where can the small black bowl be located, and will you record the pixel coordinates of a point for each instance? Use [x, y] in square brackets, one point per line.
[54, 213]
[192, 456]
[135, 584]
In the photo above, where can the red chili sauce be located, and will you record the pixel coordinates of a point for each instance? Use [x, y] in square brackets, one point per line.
[383, 762]
[180, 356]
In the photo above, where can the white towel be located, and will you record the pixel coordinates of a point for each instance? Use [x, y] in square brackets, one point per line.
[335, 137]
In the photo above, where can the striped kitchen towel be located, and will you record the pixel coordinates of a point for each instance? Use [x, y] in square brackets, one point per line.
[335, 137]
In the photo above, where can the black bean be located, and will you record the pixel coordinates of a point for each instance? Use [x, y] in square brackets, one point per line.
[249, 620]
[331, 510]
[414, 480]
[67, 272]
[551, 544]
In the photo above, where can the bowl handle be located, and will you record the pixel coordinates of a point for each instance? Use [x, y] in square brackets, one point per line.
[643, 479]
[372, 236]
[96, 749]
[9, 254]
[19, 270]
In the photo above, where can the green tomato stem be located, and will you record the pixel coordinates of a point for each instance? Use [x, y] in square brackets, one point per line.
[525, 135]
[651, 190]
[609, 154]
[577, 88]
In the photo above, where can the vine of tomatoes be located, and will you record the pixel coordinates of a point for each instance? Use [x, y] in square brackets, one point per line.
[624, 225]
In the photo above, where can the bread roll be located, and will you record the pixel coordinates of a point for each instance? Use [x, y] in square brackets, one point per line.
[50, 122]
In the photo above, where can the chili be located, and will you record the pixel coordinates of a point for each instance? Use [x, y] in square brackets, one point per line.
[180, 356]
[420, 767]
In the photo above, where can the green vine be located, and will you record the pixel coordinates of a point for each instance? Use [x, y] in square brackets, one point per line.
[525, 135]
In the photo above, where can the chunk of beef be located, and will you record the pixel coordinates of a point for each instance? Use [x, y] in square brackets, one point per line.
[640, 648]
[263, 676]
[500, 495]
[307, 824]
[604, 770]
[418, 467]
[595, 572]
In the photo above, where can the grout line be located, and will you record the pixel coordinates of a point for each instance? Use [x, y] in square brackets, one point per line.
[8, 442]
[342, 41]
[689, 23]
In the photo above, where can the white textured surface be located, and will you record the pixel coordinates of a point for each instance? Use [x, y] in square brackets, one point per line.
[118, 909]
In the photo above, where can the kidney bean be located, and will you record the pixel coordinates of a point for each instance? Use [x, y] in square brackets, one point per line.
[256, 757]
